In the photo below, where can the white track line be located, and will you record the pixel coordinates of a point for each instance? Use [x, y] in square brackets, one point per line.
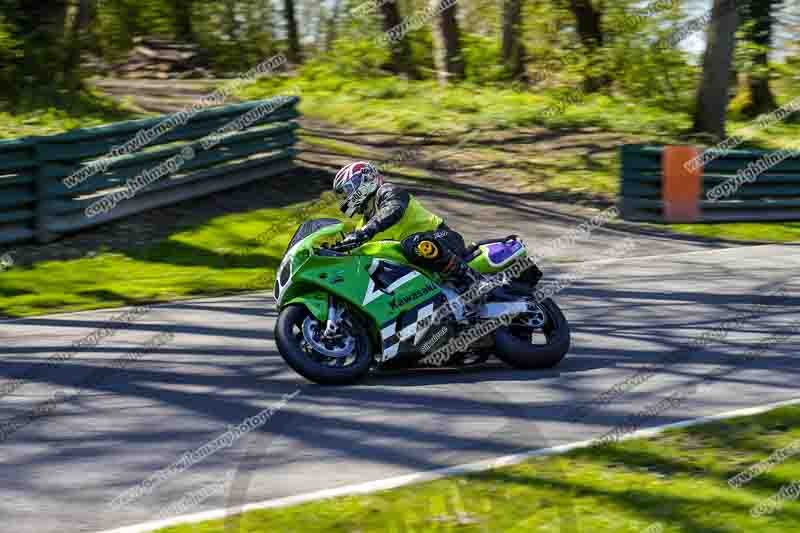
[399, 481]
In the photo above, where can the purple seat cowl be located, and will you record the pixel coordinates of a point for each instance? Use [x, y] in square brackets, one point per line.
[501, 252]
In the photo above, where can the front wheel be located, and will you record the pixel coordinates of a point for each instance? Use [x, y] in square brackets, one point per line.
[517, 344]
[339, 360]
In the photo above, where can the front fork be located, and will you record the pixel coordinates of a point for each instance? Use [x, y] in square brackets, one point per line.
[334, 315]
[329, 313]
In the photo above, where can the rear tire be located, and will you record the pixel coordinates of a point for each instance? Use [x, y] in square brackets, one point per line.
[520, 353]
[307, 364]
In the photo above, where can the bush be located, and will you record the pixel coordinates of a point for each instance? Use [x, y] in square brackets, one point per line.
[349, 58]
[482, 59]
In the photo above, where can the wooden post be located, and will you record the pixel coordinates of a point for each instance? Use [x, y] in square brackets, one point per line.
[681, 187]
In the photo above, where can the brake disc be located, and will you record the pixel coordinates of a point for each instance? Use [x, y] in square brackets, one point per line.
[339, 346]
[535, 317]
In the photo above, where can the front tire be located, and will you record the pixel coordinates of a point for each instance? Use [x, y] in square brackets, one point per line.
[313, 365]
[515, 350]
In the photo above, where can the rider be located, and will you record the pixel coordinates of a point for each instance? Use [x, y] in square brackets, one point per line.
[391, 213]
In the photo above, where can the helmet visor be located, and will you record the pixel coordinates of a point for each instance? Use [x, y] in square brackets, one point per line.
[346, 189]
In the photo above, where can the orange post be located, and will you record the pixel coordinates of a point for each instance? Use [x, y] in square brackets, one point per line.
[681, 184]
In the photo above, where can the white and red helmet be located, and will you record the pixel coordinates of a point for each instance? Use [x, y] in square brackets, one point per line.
[354, 184]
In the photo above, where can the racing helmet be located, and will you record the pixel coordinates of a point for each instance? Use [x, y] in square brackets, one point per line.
[354, 184]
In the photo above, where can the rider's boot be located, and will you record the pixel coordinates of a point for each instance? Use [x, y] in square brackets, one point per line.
[464, 277]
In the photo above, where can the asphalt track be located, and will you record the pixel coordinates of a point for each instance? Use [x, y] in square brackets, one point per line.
[59, 473]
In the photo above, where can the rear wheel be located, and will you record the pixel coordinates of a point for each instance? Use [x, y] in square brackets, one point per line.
[533, 340]
[336, 360]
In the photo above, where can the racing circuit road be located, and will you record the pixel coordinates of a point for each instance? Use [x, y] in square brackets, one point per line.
[58, 474]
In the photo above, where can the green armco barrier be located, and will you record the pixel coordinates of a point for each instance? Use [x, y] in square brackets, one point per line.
[773, 195]
[36, 203]
[18, 200]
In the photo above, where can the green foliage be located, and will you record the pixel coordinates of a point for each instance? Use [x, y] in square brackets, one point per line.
[235, 40]
[350, 58]
[662, 77]
[422, 51]
[741, 103]
[10, 55]
[119, 21]
[483, 59]
[50, 110]
[238, 34]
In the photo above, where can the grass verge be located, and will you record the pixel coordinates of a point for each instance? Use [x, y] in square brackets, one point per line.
[673, 483]
[50, 111]
[229, 254]
[750, 231]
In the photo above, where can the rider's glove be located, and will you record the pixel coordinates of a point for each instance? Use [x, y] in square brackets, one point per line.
[355, 239]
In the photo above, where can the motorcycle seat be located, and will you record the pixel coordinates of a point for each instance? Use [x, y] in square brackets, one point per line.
[473, 249]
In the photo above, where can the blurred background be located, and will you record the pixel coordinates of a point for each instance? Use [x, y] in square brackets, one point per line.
[518, 62]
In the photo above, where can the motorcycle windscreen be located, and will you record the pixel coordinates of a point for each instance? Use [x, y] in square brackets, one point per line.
[309, 227]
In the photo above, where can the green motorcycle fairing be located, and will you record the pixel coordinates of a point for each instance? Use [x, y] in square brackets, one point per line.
[316, 302]
[374, 278]
[308, 278]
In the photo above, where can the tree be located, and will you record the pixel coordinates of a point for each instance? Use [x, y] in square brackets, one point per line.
[44, 15]
[712, 94]
[80, 34]
[320, 13]
[589, 25]
[291, 29]
[758, 31]
[447, 42]
[263, 23]
[333, 19]
[513, 51]
[11, 53]
[182, 11]
[41, 26]
[231, 21]
[400, 50]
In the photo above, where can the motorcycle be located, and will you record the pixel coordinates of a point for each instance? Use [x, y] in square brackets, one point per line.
[345, 311]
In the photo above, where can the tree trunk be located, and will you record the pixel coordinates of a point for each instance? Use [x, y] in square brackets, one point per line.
[447, 42]
[184, 31]
[42, 25]
[43, 16]
[231, 24]
[265, 18]
[759, 32]
[401, 62]
[512, 48]
[320, 18]
[79, 34]
[712, 94]
[330, 35]
[589, 24]
[291, 29]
